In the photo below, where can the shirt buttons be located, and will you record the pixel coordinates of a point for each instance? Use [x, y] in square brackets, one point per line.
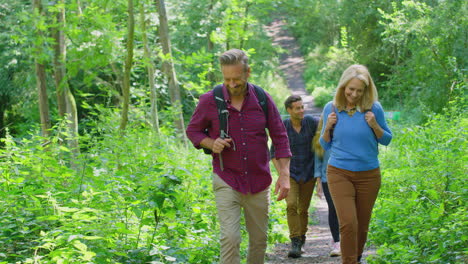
[243, 143]
[242, 129]
[245, 172]
[245, 158]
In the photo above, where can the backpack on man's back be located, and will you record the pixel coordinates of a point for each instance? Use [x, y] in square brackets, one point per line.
[223, 112]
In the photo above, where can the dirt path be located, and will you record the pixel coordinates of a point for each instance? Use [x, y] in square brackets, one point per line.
[318, 243]
[317, 246]
[292, 64]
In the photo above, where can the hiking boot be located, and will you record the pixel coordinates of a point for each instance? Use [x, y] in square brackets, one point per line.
[303, 240]
[336, 250]
[295, 251]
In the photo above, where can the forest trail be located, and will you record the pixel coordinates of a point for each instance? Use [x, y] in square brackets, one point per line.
[292, 64]
[318, 243]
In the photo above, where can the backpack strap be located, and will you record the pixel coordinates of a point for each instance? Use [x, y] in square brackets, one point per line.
[262, 100]
[223, 113]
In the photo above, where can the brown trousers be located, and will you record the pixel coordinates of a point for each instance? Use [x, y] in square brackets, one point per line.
[354, 194]
[298, 202]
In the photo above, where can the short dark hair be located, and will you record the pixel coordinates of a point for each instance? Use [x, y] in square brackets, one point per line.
[290, 100]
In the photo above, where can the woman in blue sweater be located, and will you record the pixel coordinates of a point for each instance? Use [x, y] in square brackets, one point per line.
[320, 171]
[354, 125]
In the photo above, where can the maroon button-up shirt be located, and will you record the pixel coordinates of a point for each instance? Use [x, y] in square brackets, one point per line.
[246, 168]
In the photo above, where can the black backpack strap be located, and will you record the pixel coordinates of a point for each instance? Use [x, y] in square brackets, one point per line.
[223, 113]
[262, 100]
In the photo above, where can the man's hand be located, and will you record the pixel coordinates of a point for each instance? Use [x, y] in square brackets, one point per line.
[282, 184]
[282, 187]
[219, 144]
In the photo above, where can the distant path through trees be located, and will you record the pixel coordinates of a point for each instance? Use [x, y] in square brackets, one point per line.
[292, 64]
[318, 243]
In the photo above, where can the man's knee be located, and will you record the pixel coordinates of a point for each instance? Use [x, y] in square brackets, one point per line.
[231, 239]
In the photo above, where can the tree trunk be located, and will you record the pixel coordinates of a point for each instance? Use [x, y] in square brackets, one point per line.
[41, 78]
[246, 24]
[210, 48]
[150, 68]
[59, 61]
[168, 67]
[128, 66]
[3, 105]
[78, 4]
[66, 100]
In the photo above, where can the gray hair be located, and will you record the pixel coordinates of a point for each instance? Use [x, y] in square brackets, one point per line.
[234, 56]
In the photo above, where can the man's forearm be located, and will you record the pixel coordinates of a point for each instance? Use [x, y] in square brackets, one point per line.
[275, 163]
[282, 166]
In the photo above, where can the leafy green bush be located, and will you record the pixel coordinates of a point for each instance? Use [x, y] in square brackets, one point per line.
[135, 198]
[322, 96]
[420, 216]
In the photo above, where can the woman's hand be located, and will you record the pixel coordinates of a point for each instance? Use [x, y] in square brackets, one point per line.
[331, 120]
[370, 119]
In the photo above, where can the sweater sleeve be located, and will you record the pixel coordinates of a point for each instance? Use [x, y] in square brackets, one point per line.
[380, 118]
[318, 166]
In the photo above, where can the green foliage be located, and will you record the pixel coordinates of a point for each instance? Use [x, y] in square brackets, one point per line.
[420, 216]
[430, 39]
[415, 50]
[135, 198]
[323, 70]
[322, 96]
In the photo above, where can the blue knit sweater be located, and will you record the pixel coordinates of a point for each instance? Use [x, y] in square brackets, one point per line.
[354, 146]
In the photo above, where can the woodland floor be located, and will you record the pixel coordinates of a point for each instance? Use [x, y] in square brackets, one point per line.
[318, 243]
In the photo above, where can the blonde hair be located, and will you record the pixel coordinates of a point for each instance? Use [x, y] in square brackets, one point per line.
[369, 96]
[316, 147]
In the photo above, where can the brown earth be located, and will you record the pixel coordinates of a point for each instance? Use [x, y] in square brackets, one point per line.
[292, 64]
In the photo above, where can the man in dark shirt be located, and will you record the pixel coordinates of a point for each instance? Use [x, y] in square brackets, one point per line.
[243, 179]
[301, 130]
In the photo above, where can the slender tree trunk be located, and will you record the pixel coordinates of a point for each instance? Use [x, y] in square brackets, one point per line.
[246, 24]
[66, 100]
[128, 66]
[41, 78]
[210, 47]
[78, 4]
[3, 105]
[59, 61]
[150, 68]
[168, 65]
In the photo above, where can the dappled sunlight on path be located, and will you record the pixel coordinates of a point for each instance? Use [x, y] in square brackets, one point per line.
[292, 64]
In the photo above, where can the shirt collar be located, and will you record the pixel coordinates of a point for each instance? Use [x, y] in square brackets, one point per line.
[357, 108]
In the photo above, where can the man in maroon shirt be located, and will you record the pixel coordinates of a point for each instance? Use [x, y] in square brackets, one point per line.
[243, 180]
